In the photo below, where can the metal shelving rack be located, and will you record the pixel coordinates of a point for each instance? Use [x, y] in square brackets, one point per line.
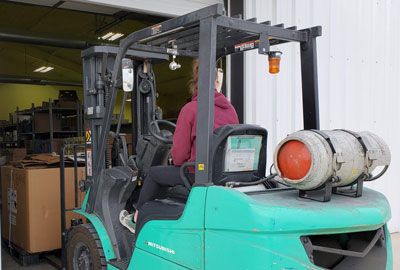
[51, 134]
[5, 142]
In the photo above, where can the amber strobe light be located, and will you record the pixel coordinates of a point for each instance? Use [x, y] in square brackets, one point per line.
[294, 160]
[274, 59]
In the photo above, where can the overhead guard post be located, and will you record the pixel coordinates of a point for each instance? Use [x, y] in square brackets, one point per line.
[205, 105]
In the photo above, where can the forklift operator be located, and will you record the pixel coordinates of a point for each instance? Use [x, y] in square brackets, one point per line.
[184, 141]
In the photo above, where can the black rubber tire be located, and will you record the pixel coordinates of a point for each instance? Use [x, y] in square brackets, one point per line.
[85, 237]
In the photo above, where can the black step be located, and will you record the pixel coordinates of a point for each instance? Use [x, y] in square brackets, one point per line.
[120, 264]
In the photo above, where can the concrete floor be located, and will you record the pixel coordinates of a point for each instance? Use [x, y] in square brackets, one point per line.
[9, 263]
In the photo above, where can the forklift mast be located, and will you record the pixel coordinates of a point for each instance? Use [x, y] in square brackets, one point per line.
[98, 62]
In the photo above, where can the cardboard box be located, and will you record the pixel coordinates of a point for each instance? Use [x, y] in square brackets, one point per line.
[42, 122]
[16, 154]
[67, 99]
[31, 206]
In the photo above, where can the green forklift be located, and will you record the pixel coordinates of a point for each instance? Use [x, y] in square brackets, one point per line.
[234, 216]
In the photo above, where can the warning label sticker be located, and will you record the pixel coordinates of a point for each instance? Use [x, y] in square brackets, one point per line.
[89, 163]
[88, 136]
[246, 45]
[156, 29]
[12, 205]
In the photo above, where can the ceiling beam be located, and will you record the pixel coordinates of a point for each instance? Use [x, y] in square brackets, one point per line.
[60, 7]
[35, 80]
[45, 41]
[125, 15]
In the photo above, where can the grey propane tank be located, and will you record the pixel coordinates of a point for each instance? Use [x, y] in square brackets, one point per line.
[339, 156]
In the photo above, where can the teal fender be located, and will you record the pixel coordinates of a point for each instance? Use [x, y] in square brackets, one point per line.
[101, 231]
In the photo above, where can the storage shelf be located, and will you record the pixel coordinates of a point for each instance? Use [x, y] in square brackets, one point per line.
[67, 111]
[8, 126]
[54, 132]
[70, 112]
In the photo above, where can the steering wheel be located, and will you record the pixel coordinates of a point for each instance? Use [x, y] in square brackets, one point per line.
[158, 134]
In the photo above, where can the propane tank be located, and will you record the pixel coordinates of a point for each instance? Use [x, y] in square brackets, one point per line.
[307, 159]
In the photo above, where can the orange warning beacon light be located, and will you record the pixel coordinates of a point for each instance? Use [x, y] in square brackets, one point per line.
[274, 59]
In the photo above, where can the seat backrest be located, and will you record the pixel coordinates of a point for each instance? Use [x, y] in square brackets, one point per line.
[150, 152]
[239, 153]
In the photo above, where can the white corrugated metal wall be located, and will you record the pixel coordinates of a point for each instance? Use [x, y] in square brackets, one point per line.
[358, 68]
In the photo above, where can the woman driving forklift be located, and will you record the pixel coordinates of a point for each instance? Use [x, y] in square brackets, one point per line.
[184, 143]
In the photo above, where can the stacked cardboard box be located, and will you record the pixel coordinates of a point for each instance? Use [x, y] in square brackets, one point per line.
[42, 122]
[31, 206]
[16, 154]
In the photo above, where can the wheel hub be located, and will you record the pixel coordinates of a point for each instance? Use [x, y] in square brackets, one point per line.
[82, 259]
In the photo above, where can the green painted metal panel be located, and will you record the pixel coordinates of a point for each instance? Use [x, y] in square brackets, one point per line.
[146, 261]
[180, 241]
[254, 251]
[283, 211]
[389, 263]
[84, 204]
[262, 231]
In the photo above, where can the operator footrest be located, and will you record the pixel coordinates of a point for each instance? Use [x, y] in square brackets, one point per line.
[120, 264]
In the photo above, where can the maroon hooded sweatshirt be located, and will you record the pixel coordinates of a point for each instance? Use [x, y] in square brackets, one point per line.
[184, 141]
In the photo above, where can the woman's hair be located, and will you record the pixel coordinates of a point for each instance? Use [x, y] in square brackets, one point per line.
[195, 77]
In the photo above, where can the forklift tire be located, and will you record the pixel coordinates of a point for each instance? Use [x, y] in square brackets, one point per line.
[84, 250]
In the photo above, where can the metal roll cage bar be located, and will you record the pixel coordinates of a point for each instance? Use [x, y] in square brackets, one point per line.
[208, 34]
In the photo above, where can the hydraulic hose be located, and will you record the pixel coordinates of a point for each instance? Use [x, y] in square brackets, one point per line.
[242, 184]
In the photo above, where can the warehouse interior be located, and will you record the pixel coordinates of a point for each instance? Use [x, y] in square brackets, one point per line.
[42, 106]
[68, 23]
[41, 74]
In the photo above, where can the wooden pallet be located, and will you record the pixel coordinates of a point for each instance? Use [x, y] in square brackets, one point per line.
[25, 258]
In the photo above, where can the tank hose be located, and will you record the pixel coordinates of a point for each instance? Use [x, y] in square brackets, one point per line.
[372, 178]
[241, 184]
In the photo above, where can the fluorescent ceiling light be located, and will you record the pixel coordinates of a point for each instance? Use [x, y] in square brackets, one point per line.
[129, 100]
[115, 36]
[106, 36]
[43, 69]
[47, 69]
[111, 36]
[39, 69]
